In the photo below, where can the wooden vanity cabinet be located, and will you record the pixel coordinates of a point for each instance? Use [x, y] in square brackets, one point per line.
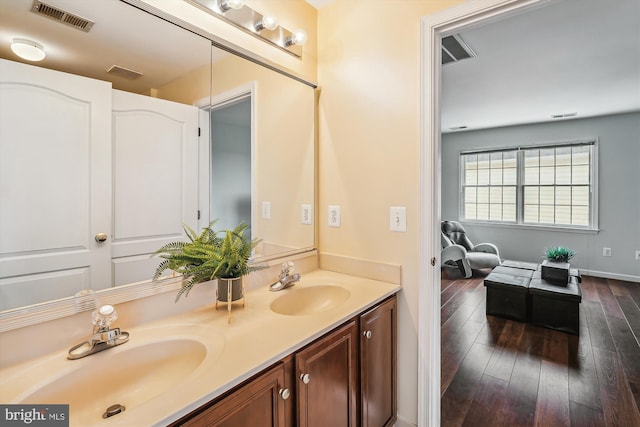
[260, 402]
[327, 380]
[346, 378]
[378, 346]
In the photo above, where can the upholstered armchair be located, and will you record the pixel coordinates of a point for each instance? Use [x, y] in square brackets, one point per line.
[459, 252]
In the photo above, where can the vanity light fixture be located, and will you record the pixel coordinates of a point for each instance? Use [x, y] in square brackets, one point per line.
[267, 22]
[28, 49]
[299, 37]
[260, 25]
[225, 5]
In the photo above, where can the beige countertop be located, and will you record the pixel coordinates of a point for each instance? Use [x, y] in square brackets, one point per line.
[256, 338]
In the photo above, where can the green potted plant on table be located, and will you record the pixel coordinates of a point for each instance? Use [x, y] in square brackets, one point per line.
[207, 256]
[556, 267]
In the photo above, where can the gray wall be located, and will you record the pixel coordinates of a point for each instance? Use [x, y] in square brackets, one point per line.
[619, 192]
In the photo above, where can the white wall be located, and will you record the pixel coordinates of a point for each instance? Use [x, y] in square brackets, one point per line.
[619, 194]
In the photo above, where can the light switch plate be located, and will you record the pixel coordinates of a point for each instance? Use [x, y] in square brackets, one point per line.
[266, 210]
[306, 214]
[398, 218]
[334, 216]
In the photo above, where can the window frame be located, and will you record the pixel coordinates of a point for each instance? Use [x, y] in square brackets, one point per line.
[520, 186]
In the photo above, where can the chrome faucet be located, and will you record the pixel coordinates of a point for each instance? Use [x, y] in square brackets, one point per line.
[286, 279]
[103, 337]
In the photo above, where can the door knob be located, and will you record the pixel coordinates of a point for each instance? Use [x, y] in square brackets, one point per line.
[305, 378]
[101, 237]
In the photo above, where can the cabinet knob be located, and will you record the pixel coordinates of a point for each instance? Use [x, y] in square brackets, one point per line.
[367, 334]
[305, 378]
[101, 237]
[284, 393]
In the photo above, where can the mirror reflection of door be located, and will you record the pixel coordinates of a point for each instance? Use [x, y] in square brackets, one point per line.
[231, 163]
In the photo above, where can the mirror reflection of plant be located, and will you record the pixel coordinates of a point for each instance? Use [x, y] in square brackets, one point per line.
[206, 256]
[559, 254]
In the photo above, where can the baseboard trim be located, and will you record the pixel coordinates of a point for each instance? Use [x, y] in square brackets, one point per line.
[607, 275]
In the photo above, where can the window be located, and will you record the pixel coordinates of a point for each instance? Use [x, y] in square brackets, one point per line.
[551, 185]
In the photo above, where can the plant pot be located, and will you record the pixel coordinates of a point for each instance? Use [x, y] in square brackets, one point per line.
[236, 289]
[556, 272]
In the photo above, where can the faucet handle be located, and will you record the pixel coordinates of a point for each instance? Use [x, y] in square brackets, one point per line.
[104, 316]
[287, 267]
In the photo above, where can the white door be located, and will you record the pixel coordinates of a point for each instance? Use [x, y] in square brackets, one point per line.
[155, 180]
[55, 186]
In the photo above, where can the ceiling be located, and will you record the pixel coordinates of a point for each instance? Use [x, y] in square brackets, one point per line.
[122, 35]
[568, 56]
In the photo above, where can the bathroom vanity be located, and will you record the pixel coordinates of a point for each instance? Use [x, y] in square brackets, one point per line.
[345, 378]
[322, 352]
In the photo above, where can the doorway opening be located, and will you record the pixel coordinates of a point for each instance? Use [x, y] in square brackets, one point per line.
[433, 29]
[230, 157]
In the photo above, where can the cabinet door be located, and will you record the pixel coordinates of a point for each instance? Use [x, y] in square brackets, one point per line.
[327, 376]
[378, 365]
[55, 184]
[258, 403]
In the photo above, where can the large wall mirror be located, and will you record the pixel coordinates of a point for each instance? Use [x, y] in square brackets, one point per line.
[180, 132]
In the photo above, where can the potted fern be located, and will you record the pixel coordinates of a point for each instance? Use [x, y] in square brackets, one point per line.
[207, 256]
[556, 267]
[232, 258]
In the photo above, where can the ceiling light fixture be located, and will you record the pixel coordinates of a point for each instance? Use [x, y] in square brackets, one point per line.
[225, 5]
[267, 22]
[263, 26]
[298, 38]
[28, 49]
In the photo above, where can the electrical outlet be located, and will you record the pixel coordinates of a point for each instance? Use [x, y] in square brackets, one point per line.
[306, 215]
[637, 255]
[398, 219]
[266, 210]
[606, 251]
[334, 216]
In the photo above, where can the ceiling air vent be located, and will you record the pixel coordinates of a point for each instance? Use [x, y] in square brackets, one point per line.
[124, 72]
[455, 49]
[62, 16]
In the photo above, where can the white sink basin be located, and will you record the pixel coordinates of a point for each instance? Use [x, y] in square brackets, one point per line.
[152, 363]
[309, 300]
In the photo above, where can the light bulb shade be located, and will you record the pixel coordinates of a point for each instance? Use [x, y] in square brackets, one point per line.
[230, 4]
[269, 22]
[299, 37]
[28, 49]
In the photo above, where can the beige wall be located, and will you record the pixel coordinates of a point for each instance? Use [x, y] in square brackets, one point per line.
[284, 164]
[368, 71]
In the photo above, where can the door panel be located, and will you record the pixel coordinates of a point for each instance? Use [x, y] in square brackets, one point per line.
[51, 211]
[155, 175]
[378, 365]
[329, 397]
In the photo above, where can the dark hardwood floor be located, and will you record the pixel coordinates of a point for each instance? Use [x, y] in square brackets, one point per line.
[498, 372]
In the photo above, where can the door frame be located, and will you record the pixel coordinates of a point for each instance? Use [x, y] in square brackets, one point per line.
[432, 28]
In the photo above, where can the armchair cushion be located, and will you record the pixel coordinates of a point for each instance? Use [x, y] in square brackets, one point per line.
[458, 250]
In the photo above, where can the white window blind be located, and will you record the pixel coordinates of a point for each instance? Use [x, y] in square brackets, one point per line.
[543, 185]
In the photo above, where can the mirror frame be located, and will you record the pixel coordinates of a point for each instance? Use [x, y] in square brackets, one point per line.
[42, 312]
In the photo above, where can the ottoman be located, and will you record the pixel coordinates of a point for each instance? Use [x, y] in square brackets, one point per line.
[520, 264]
[556, 307]
[507, 292]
